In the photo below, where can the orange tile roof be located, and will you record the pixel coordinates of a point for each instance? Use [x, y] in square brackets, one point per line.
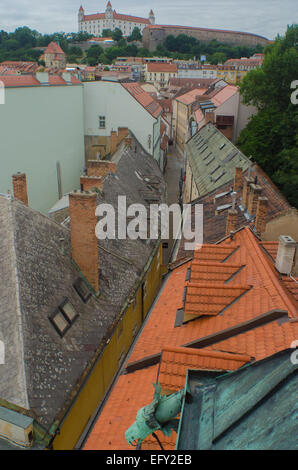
[207, 271]
[54, 48]
[175, 361]
[224, 94]
[253, 340]
[210, 298]
[191, 96]
[19, 80]
[144, 98]
[117, 16]
[162, 67]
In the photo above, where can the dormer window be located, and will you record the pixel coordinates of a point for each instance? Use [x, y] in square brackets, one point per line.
[63, 317]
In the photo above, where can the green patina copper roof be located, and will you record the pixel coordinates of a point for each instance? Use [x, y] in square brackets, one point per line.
[250, 409]
[213, 159]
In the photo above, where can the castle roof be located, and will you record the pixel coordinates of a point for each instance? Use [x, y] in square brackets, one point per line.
[117, 16]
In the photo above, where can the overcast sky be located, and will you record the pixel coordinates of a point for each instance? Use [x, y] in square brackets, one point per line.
[265, 17]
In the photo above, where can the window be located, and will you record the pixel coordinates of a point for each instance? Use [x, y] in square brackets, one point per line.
[102, 122]
[82, 289]
[64, 317]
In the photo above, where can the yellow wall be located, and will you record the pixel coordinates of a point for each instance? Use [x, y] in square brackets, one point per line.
[108, 363]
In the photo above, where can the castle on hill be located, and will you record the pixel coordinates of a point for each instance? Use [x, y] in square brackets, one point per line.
[110, 19]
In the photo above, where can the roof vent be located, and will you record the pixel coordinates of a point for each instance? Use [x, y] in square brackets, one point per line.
[285, 254]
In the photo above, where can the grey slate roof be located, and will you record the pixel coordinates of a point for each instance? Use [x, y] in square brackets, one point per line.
[37, 274]
[213, 159]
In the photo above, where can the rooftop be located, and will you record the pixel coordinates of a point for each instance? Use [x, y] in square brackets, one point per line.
[144, 98]
[37, 272]
[256, 325]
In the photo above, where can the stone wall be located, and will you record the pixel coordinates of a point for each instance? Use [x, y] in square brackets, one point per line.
[155, 35]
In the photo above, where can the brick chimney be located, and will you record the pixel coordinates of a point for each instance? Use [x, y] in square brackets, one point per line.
[84, 244]
[90, 182]
[246, 189]
[231, 221]
[261, 217]
[254, 194]
[122, 133]
[113, 142]
[100, 167]
[19, 182]
[237, 179]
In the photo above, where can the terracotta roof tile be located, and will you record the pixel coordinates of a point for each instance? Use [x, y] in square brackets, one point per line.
[144, 98]
[175, 361]
[162, 67]
[54, 48]
[210, 298]
[134, 390]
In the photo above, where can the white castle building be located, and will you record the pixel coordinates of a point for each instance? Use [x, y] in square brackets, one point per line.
[96, 23]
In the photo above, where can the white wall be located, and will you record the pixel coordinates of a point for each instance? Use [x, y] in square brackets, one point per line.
[38, 127]
[121, 109]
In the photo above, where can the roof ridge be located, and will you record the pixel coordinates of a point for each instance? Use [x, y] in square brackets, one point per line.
[18, 302]
[207, 352]
[286, 298]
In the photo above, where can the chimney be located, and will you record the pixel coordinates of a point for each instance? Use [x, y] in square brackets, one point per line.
[209, 117]
[42, 77]
[84, 244]
[100, 168]
[261, 217]
[88, 183]
[113, 142]
[237, 179]
[285, 257]
[19, 182]
[231, 221]
[246, 188]
[254, 193]
[122, 133]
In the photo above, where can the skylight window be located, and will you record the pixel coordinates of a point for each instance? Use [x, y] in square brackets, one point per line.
[64, 317]
[82, 289]
[222, 146]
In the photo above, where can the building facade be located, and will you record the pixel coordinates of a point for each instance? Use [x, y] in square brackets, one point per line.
[110, 19]
[111, 104]
[54, 56]
[42, 134]
[159, 74]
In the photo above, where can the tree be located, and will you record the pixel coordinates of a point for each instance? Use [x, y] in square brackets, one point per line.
[271, 135]
[107, 33]
[117, 35]
[218, 58]
[135, 35]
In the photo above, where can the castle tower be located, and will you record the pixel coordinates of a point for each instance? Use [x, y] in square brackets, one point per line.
[151, 17]
[81, 16]
[109, 11]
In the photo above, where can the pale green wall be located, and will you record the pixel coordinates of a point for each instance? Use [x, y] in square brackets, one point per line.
[38, 126]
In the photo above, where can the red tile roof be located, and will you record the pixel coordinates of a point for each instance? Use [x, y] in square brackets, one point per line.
[244, 329]
[144, 98]
[175, 361]
[117, 16]
[19, 80]
[54, 48]
[162, 67]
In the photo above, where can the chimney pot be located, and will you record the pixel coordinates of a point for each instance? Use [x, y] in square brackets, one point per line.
[19, 181]
[285, 254]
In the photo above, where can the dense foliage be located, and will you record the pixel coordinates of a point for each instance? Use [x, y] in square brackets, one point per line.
[25, 44]
[271, 136]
